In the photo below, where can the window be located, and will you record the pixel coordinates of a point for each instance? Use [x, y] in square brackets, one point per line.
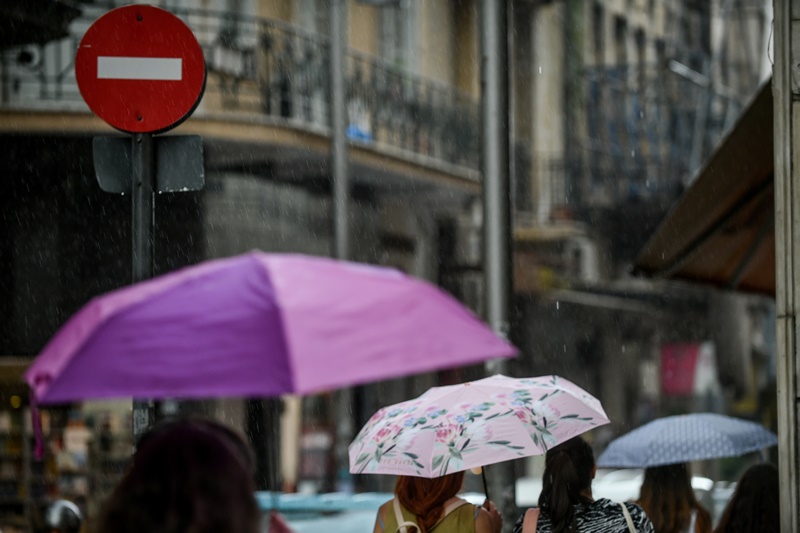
[397, 34]
[312, 15]
[597, 32]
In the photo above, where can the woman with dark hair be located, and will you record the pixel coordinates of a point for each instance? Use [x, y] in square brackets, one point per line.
[566, 503]
[668, 499]
[190, 476]
[423, 505]
[754, 505]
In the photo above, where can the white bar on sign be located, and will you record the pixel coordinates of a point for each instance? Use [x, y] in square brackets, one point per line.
[139, 68]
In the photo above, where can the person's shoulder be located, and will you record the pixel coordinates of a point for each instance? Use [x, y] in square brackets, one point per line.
[639, 517]
[634, 507]
[608, 507]
[385, 509]
[604, 504]
[387, 504]
[603, 508]
[518, 523]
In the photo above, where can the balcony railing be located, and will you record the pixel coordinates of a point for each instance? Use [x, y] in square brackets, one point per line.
[654, 124]
[269, 69]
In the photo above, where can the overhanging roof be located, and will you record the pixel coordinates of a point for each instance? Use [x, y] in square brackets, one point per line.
[12, 369]
[34, 21]
[721, 231]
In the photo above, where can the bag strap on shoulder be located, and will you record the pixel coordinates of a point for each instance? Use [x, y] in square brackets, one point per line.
[452, 507]
[449, 509]
[628, 518]
[530, 521]
[402, 523]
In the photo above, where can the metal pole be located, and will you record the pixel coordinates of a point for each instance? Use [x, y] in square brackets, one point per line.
[495, 168]
[341, 181]
[142, 223]
[497, 208]
[263, 432]
[787, 255]
[5, 85]
[343, 404]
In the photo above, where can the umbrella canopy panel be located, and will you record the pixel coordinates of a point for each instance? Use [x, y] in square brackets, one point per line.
[259, 325]
[453, 428]
[721, 230]
[685, 438]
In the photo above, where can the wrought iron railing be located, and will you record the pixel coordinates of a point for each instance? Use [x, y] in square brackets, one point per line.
[266, 68]
[646, 133]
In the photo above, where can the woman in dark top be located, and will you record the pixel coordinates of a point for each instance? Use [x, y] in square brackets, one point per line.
[566, 501]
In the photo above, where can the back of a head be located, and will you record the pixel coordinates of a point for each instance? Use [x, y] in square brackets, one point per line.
[187, 476]
[567, 474]
[426, 497]
[754, 505]
[668, 499]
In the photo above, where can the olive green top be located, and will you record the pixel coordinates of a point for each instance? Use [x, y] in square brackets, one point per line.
[461, 520]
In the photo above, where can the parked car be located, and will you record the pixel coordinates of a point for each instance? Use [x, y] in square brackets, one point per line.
[336, 512]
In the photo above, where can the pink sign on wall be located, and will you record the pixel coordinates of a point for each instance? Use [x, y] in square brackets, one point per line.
[688, 369]
[678, 364]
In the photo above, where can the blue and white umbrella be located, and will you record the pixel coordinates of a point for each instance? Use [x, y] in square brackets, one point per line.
[685, 438]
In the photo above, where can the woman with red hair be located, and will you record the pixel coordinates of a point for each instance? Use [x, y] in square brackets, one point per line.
[421, 505]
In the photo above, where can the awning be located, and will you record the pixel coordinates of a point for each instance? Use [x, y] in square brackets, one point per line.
[721, 231]
[12, 369]
[34, 21]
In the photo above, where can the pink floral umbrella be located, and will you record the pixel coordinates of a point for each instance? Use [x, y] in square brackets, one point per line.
[454, 428]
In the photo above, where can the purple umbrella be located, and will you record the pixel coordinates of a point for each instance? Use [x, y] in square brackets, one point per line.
[258, 325]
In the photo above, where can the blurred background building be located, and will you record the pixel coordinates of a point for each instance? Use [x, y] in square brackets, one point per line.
[624, 102]
[616, 104]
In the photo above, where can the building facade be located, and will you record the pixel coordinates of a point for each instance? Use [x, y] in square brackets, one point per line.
[627, 100]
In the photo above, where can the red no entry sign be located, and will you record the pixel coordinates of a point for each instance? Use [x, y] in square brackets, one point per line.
[140, 69]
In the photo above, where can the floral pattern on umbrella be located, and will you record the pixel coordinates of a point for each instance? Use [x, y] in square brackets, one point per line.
[449, 429]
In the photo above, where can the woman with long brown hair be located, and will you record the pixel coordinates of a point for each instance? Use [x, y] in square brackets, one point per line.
[668, 499]
[754, 506]
[423, 505]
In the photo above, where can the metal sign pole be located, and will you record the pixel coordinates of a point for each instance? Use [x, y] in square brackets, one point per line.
[142, 222]
[343, 406]
[497, 209]
[103, 72]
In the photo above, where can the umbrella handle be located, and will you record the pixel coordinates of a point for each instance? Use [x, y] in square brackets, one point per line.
[485, 487]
